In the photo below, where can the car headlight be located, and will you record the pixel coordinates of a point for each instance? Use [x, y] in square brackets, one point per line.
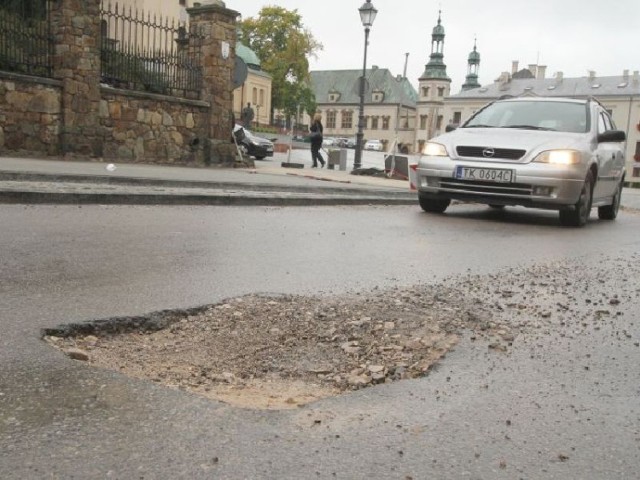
[433, 149]
[559, 157]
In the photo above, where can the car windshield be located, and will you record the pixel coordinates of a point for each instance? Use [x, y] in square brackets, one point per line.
[528, 115]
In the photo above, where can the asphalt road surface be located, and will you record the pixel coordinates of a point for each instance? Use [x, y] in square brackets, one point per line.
[563, 402]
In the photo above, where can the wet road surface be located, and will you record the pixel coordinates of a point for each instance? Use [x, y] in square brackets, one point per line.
[561, 403]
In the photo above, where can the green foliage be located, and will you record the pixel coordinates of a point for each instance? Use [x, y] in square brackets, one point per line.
[283, 44]
[128, 70]
[26, 9]
[24, 43]
[264, 129]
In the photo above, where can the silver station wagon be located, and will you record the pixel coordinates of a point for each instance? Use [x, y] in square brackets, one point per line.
[553, 153]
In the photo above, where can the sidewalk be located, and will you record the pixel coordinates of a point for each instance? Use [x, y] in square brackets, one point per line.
[53, 181]
[24, 180]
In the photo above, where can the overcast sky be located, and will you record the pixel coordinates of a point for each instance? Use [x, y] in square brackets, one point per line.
[571, 36]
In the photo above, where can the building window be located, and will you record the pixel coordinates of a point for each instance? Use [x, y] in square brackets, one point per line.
[423, 122]
[374, 123]
[440, 91]
[347, 119]
[255, 96]
[331, 119]
[385, 123]
[421, 145]
[365, 122]
[425, 91]
[457, 117]
[183, 3]
[261, 96]
[439, 122]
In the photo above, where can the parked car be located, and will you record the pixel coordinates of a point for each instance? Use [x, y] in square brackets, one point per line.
[552, 153]
[351, 142]
[251, 144]
[328, 141]
[376, 145]
[341, 142]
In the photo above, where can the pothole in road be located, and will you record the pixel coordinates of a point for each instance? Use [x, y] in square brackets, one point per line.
[277, 352]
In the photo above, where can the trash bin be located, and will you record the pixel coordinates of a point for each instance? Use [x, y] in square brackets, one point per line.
[337, 156]
[400, 165]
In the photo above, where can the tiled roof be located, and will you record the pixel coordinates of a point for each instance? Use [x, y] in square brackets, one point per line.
[554, 87]
[346, 83]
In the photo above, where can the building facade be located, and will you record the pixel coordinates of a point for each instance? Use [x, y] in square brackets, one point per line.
[619, 94]
[255, 90]
[434, 86]
[390, 105]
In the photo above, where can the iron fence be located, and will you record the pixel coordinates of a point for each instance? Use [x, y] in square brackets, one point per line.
[149, 53]
[26, 45]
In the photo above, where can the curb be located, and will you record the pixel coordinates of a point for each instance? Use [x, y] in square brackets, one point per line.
[227, 199]
[12, 176]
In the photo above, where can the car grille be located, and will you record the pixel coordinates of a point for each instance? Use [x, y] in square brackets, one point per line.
[493, 188]
[479, 152]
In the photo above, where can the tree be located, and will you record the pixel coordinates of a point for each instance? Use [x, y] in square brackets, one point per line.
[283, 44]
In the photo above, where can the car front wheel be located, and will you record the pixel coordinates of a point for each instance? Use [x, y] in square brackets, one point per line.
[579, 214]
[610, 212]
[433, 205]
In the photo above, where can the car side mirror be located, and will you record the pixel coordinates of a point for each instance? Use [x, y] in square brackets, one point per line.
[450, 127]
[612, 136]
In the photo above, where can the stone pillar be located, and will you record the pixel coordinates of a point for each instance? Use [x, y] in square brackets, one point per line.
[217, 26]
[76, 62]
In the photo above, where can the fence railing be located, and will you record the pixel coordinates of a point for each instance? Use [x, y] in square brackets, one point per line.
[149, 53]
[26, 45]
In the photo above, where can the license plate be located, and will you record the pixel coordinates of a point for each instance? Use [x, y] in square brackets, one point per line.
[485, 174]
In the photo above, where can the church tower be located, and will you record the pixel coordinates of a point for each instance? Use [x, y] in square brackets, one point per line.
[434, 85]
[471, 80]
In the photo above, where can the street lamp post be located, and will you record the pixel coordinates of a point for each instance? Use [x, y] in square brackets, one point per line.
[367, 15]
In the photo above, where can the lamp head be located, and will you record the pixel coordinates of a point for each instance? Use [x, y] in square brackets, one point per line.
[367, 14]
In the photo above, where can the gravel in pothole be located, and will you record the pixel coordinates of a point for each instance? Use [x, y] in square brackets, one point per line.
[285, 351]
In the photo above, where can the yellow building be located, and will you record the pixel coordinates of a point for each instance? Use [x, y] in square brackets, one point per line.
[255, 90]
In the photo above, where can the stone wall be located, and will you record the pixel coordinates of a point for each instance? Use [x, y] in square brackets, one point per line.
[140, 127]
[75, 116]
[30, 115]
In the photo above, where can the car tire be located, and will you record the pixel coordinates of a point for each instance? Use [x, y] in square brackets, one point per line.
[610, 212]
[496, 207]
[433, 205]
[259, 157]
[579, 214]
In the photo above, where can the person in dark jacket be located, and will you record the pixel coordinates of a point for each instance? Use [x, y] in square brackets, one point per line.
[316, 140]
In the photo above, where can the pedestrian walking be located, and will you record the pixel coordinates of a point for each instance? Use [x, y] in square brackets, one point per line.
[316, 140]
[247, 115]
